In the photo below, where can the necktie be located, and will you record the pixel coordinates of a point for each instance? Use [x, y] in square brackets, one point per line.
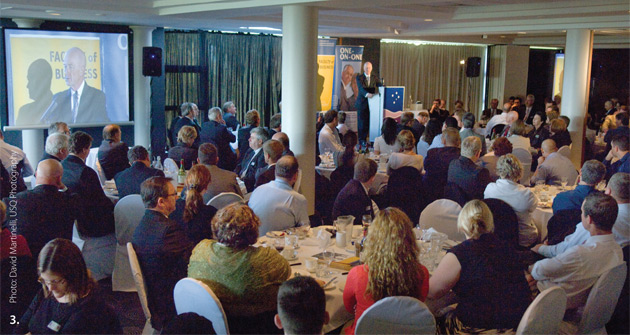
[244, 173]
[75, 105]
[367, 80]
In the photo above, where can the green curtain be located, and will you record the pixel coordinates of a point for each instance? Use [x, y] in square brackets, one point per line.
[210, 68]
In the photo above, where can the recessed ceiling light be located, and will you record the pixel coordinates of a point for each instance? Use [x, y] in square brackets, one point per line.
[428, 20]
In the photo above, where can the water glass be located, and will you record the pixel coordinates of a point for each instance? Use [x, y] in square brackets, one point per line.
[291, 240]
[303, 229]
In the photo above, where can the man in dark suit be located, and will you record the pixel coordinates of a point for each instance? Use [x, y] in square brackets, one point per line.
[80, 103]
[162, 247]
[272, 151]
[353, 199]
[253, 158]
[621, 121]
[95, 217]
[57, 146]
[437, 162]
[189, 113]
[216, 132]
[530, 109]
[494, 109]
[367, 84]
[47, 211]
[128, 181]
[519, 108]
[252, 119]
[112, 154]
[275, 125]
[229, 115]
[466, 180]
[284, 139]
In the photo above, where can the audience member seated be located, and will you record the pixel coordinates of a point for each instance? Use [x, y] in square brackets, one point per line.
[341, 126]
[450, 122]
[301, 306]
[539, 133]
[405, 192]
[420, 122]
[432, 129]
[57, 147]
[488, 113]
[466, 180]
[498, 119]
[58, 127]
[275, 124]
[390, 266]
[500, 146]
[245, 278]
[272, 151]
[349, 155]
[95, 217]
[229, 115]
[16, 163]
[610, 121]
[511, 117]
[276, 203]
[47, 211]
[485, 274]
[252, 120]
[162, 247]
[521, 198]
[184, 148]
[222, 180]
[191, 213]
[621, 120]
[188, 323]
[386, 143]
[406, 122]
[189, 112]
[437, 162]
[128, 181]
[591, 174]
[329, 140]
[253, 159]
[577, 268]
[468, 129]
[216, 132]
[406, 156]
[284, 139]
[554, 167]
[68, 302]
[505, 221]
[559, 133]
[517, 136]
[619, 150]
[112, 154]
[353, 199]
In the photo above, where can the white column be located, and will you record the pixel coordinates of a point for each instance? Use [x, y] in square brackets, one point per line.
[142, 37]
[575, 88]
[32, 139]
[299, 63]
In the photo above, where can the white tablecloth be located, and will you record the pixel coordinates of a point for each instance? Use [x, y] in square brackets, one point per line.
[540, 217]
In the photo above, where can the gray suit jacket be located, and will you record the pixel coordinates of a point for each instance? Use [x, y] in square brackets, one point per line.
[221, 181]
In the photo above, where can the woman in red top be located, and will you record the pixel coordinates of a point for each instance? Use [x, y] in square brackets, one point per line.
[390, 268]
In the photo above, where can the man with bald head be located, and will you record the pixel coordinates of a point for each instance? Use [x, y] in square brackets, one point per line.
[367, 83]
[47, 211]
[509, 118]
[553, 167]
[112, 154]
[284, 139]
[80, 103]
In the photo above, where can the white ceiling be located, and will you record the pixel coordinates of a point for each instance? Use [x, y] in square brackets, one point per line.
[539, 23]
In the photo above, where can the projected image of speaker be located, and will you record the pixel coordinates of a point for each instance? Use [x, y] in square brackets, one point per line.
[473, 64]
[152, 61]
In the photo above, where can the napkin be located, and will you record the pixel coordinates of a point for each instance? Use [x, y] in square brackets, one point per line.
[323, 238]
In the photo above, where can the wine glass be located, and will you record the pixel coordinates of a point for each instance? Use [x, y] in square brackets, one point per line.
[563, 182]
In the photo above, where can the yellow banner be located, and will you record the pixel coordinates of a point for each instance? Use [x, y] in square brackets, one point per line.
[25, 50]
[325, 75]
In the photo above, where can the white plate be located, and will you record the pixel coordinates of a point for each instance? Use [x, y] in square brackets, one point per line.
[290, 259]
[276, 233]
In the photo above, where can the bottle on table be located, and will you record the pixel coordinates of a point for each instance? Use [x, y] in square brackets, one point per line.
[158, 164]
[181, 175]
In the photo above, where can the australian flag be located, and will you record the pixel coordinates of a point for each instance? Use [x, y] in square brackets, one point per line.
[394, 98]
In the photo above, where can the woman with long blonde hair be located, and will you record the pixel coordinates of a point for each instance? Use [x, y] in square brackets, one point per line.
[391, 265]
[191, 212]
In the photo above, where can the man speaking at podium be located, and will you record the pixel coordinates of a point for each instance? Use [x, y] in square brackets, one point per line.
[367, 84]
[80, 103]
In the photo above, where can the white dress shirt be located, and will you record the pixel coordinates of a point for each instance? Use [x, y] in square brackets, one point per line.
[554, 168]
[399, 159]
[329, 140]
[577, 269]
[495, 120]
[278, 206]
[437, 142]
[523, 201]
[11, 154]
[381, 146]
[519, 141]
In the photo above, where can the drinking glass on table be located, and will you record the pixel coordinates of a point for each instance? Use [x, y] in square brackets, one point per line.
[366, 220]
[563, 182]
[303, 228]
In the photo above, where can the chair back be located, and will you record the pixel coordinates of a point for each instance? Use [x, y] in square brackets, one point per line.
[441, 215]
[127, 215]
[525, 157]
[602, 300]
[171, 166]
[223, 199]
[141, 287]
[565, 151]
[544, 314]
[496, 130]
[396, 315]
[192, 295]
[92, 162]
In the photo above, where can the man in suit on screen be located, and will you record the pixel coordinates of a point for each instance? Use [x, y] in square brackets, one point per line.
[80, 103]
[367, 84]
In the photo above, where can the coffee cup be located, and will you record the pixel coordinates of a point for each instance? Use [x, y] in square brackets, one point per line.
[341, 239]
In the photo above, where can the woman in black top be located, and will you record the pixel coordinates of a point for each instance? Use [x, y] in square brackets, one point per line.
[67, 303]
[540, 132]
[184, 148]
[191, 213]
[559, 133]
[485, 274]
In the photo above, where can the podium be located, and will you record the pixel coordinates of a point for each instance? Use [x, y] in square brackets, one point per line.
[390, 98]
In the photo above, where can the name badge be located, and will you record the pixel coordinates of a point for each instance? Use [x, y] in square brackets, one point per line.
[54, 326]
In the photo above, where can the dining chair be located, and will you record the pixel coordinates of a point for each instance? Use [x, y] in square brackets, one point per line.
[600, 304]
[525, 157]
[92, 162]
[441, 215]
[192, 295]
[170, 165]
[544, 314]
[141, 287]
[396, 315]
[223, 199]
[127, 215]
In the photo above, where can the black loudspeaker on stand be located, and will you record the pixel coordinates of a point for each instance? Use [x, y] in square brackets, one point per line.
[473, 64]
[152, 61]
